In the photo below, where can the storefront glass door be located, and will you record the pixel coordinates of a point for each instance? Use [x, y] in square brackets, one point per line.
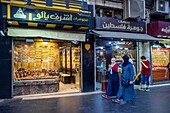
[105, 50]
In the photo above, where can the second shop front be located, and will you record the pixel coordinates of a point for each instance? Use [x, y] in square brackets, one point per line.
[116, 38]
[160, 50]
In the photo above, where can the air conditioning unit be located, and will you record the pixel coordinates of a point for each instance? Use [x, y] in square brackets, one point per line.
[134, 8]
[160, 7]
[168, 15]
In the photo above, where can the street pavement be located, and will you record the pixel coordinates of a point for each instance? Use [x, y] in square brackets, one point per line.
[155, 101]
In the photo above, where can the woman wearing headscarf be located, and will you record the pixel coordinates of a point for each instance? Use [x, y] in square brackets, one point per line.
[126, 93]
[113, 81]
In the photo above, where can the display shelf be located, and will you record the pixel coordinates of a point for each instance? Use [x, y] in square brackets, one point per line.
[160, 58]
[75, 58]
[33, 58]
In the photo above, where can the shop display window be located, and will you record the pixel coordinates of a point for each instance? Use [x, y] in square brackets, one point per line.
[116, 50]
[40, 60]
[76, 58]
[124, 48]
[160, 57]
[35, 60]
[160, 60]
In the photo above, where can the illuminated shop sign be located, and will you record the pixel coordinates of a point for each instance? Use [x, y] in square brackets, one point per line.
[166, 29]
[103, 23]
[48, 16]
[159, 29]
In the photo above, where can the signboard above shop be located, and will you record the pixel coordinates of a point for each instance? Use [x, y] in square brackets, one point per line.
[48, 16]
[159, 29]
[111, 24]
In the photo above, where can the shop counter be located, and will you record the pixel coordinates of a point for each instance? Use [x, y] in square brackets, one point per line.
[26, 87]
[160, 74]
[66, 78]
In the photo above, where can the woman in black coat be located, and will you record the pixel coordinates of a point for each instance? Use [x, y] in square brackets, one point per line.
[126, 93]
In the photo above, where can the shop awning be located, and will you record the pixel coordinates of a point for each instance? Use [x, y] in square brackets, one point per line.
[53, 34]
[125, 36]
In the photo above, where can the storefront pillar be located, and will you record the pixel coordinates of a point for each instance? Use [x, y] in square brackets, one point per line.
[88, 70]
[146, 50]
[139, 54]
[5, 63]
[5, 67]
[143, 50]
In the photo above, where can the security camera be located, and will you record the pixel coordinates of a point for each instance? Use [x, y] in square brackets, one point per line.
[2, 33]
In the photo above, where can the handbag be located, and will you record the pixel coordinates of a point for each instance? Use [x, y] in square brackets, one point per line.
[124, 81]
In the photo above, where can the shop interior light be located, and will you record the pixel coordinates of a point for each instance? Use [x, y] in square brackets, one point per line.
[164, 36]
[156, 46]
[159, 36]
[121, 39]
[110, 42]
[101, 47]
[167, 45]
[46, 40]
[161, 5]
[29, 40]
[75, 42]
[117, 47]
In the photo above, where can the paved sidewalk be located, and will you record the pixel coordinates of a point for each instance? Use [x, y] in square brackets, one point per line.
[1, 100]
[155, 101]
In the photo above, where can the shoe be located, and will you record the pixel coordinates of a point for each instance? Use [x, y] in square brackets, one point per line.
[105, 96]
[141, 89]
[147, 90]
[122, 102]
[116, 101]
[130, 101]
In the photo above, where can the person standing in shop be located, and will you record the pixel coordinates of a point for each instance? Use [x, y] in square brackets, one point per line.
[113, 80]
[126, 93]
[168, 71]
[145, 74]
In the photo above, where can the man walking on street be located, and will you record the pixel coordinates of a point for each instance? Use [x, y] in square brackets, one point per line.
[145, 74]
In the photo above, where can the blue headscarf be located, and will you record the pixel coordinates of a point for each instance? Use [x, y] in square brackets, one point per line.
[126, 61]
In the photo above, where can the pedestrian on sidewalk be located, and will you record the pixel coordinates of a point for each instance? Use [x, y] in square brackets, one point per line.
[126, 93]
[145, 74]
[167, 75]
[113, 80]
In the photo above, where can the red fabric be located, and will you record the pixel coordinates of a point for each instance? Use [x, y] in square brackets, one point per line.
[115, 67]
[146, 71]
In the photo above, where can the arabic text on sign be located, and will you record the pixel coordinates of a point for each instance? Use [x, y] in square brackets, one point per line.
[166, 29]
[45, 16]
[122, 26]
[55, 17]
